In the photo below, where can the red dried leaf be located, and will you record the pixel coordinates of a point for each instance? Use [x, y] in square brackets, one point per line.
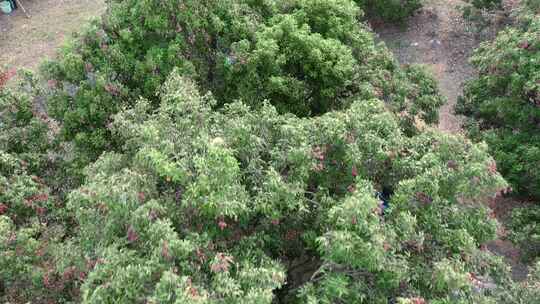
[349, 138]
[291, 235]
[112, 89]
[52, 83]
[423, 198]
[201, 255]
[318, 153]
[50, 282]
[43, 197]
[3, 209]
[192, 290]
[165, 251]
[354, 171]
[88, 67]
[524, 44]
[222, 224]
[222, 264]
[418, 301]
[82, 275]
[41, 211]
[142, 197]
[194, 293]
[152, 215]
[69, 273]
[492, 168]
[318, 167]
[5, 76]
[132, 235]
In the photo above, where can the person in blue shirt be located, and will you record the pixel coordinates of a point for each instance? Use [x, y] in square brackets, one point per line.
[384, 198]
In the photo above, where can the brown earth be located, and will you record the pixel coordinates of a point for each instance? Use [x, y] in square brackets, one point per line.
[25, 42]
[439, 38]
[502, 208]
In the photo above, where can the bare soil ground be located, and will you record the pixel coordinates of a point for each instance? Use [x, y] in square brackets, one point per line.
[25, 42]
[439, 38]
[502, 208]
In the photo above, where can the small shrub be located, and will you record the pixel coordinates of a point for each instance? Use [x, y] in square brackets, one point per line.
[485, 4]
[23, 133]
[525, 230]
[503, 104]
[480, 15]
[304, 57]
[390, 10]
[31, 226]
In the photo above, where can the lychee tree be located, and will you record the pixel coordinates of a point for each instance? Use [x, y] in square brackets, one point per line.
[322, 183]
[503, 104]
[306, 57]
[241, 205]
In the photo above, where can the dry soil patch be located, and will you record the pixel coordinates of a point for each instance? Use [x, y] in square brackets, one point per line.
[25, 42]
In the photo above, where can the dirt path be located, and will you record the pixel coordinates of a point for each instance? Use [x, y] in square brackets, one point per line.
[24, 42]
[438, 37]
[502, 208]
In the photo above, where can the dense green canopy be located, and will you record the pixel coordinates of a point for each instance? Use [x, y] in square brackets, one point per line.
[307, 57]
[504, 103]
[244, 151]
